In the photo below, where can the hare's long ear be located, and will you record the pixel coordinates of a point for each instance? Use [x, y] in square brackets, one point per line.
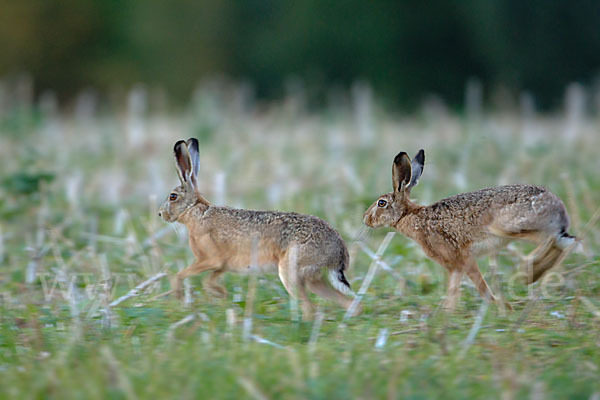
[183, 161]
[192, 145]
[417, 169]
[401, 172]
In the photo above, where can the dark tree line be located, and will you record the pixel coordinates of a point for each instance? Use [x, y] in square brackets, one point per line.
[406, 49]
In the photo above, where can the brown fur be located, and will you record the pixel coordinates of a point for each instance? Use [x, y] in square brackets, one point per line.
[544, 257]
[456, 230]
[222, 240]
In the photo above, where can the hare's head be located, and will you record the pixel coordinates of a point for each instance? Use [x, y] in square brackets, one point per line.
[391, 207]
[186, 195]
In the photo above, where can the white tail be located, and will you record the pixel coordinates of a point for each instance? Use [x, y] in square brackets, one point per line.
[337, 283]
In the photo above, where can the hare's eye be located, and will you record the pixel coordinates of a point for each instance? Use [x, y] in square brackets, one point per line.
[381, 203]
[173, 196]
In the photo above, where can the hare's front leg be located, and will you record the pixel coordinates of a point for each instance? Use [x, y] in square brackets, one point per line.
[473, 272]
[196, 268]
[211, 285]
[453, 293]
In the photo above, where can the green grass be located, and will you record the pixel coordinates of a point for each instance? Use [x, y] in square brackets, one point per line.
[78, 199]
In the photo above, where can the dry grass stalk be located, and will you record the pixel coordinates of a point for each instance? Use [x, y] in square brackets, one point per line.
[247, 328]
[379, 261]
[183, 321]
[591, 222]
[474, 329]
[187, 293]
[590, 306]
[138, 289]
[382, 338]
[293, 278]
[251, 388]
[493, 272]
[1, 245]
[117, 376]
[531, 302]
[572, 202]
[370, 274]
[316, 328]
[105, 295]
[262, 340]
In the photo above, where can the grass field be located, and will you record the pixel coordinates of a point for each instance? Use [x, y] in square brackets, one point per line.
[79, 228]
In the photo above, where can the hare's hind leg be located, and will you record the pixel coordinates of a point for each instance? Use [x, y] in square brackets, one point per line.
[307, 307]
[542, 258]
[548, 253]
[326, 291]
[295, 286]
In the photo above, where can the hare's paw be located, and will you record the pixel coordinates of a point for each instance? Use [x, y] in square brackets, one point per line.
[215, 290]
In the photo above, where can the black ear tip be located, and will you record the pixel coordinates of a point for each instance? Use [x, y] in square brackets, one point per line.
[420, 156]
[399, 157]
[177, 144]
[193, 141]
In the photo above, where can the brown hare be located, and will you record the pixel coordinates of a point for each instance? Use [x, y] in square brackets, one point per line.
[222, 239]
[456, 230]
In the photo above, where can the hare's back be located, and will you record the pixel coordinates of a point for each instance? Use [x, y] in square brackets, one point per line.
[522, 209]
[514, 208]
[497, 197]
[283, 227]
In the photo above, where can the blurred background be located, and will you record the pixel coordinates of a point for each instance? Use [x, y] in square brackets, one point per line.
[298, 106]
[407, 51]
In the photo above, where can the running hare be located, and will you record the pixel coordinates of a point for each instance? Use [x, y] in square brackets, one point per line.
[222, 239]
[456, 230]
